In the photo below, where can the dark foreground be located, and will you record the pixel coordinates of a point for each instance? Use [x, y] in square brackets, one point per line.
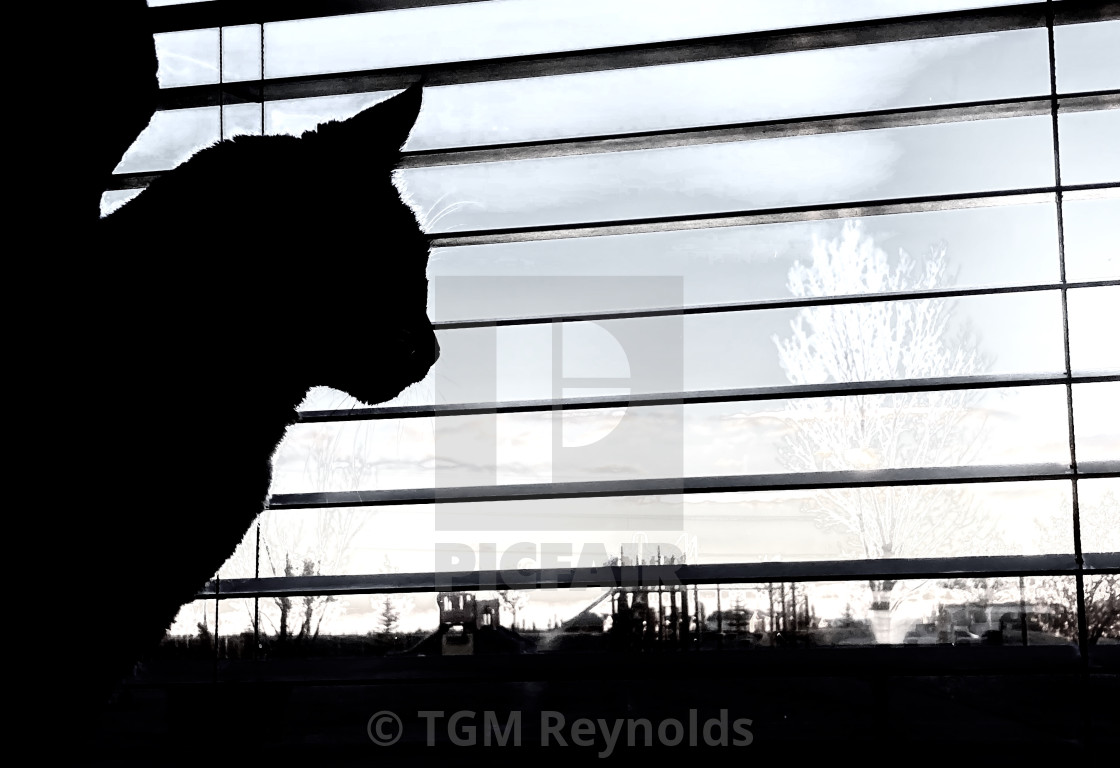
[877, 704]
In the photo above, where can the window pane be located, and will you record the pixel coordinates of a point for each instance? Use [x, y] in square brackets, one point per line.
[1097, 418]
[241, 119]
[1099, 505]
[1004, 426]
[170, 138]
[1017, 333]
[801, 170]
[1091, 251]
[1090, 152]
[788, 85]
[1094, 316]
[115, 198]
[189, 57]
[976, 519]
[428, 35]
[998, 245]
[1088, 56]
[241, 53]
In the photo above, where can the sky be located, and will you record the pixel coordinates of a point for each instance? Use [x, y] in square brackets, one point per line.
[1008, 240]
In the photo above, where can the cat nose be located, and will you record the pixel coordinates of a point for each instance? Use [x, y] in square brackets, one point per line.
[435, 346]
[422, 346]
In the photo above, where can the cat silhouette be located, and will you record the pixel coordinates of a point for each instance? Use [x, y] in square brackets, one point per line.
[191, 323]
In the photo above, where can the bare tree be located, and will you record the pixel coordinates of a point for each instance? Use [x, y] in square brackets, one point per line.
[1102, 605]
[882, 340]
[311, 604]
[1100, 531]
[306, 542]
[340, 456]
[514, 601]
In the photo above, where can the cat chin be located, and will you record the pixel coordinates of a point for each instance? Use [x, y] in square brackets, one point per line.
[368, 397]
[404, 362]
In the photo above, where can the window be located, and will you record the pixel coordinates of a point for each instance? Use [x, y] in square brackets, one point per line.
[763, 324]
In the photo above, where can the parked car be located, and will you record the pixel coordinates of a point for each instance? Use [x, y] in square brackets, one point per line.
[962, 636]
[921, 634]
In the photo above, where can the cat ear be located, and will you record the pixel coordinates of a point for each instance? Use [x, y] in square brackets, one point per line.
[385, 124]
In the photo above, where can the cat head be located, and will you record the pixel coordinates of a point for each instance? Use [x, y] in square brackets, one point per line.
[383, 300]
[296, 250]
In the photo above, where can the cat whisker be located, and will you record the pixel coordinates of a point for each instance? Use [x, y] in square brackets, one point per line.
[429, 223]
[427, 217]
[439, 200]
